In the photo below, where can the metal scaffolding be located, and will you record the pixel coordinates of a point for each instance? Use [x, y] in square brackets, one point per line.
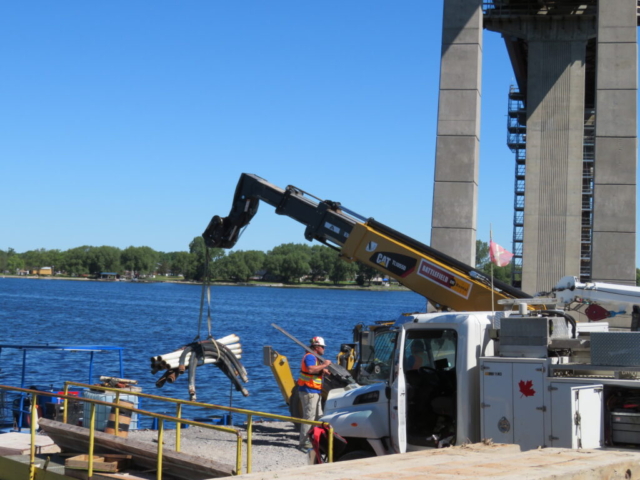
[588, 169]
[517, 142]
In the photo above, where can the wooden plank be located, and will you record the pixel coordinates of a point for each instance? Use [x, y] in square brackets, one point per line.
[16, 443]
[83, 475]
[176, 464]
[101, 462]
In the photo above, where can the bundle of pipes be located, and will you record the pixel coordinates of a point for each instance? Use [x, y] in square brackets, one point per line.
[224, 352]
[171, 360]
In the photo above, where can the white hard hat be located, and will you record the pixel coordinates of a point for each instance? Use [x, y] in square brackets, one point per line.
[317, 341]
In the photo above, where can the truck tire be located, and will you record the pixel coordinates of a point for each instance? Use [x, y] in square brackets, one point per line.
[295, 407]
[355, 455]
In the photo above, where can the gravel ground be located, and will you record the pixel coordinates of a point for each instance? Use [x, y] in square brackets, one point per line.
[274, 445]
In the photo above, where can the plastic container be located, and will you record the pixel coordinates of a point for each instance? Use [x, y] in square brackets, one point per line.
[103, 411]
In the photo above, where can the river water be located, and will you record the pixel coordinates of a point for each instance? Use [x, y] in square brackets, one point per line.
[150, 319]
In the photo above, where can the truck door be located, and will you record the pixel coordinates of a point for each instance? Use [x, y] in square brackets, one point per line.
[398, 401]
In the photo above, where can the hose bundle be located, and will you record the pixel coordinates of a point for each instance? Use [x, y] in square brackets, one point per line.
[225, 353]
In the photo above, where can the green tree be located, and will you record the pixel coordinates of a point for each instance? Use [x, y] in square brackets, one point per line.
[4, 259]
[164, 263]
[482, 254]
[320, 261]
[365, 274]
[15, 263]
[35, 259]
[215, 255]
[295, 267]
[181, 263]
[55, 260]
[342, 270]
[289, 261]
[254, 259]
[273, 264]
[142, 260]
[234, 267]
[198, 251]
[75, 261]
[104, 259]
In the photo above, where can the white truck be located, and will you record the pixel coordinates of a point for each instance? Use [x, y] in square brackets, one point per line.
[533, 378]
[497, 364]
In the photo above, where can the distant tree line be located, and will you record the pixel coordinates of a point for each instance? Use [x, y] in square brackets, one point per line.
[288, 263]
[88, 260]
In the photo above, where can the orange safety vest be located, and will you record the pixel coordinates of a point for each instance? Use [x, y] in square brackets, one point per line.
[308, 379]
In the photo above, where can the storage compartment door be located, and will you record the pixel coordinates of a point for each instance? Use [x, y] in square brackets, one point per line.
[528, 404]
[497, 402]
[576, 416]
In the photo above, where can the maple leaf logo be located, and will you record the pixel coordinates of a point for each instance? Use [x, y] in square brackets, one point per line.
[526, 388]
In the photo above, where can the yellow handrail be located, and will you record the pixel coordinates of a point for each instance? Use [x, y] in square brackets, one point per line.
[92, 432]
[93, 402]
[160, 442]
[32, 450]
[178, 426]
[117, 415]
[250, 414]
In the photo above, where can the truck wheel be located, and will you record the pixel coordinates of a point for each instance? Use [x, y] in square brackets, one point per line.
[295, 407]
[356, 454]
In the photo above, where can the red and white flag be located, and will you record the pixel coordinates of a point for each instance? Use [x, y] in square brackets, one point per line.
[499, 255]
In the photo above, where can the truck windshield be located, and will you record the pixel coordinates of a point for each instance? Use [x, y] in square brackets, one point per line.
[377, 367]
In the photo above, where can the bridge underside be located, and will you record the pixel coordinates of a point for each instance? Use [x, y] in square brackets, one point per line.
[572, 128]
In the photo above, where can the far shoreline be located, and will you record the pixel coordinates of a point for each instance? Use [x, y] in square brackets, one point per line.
[392, 288]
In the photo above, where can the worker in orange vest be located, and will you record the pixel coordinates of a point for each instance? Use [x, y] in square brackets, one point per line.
[310, 388]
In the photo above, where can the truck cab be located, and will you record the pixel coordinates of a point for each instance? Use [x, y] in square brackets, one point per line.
[419, 386]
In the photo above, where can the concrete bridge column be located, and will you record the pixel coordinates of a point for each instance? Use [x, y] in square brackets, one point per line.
[453, 229]
[614, 220]
[556, 58]
[555, 136]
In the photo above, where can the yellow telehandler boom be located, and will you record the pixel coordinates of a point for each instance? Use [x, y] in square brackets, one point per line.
[447, 283]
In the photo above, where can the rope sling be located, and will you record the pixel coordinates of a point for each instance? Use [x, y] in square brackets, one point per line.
[225, 352]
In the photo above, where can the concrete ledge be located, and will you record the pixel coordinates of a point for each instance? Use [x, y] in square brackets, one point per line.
[495, 462]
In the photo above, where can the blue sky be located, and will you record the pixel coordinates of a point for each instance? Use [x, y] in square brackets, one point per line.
[129, 123]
